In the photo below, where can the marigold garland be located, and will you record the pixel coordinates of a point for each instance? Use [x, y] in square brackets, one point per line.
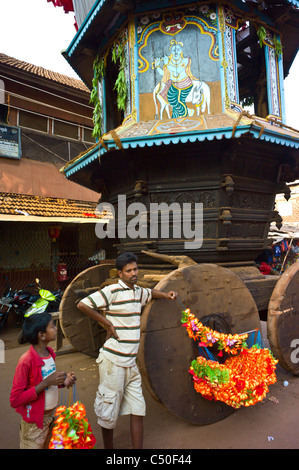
[72, 430]
[231, 344]
[242, 379]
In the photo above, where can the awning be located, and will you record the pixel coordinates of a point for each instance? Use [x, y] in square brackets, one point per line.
[285, 232]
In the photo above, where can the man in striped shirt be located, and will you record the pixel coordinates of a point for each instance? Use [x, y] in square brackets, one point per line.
[120, 390]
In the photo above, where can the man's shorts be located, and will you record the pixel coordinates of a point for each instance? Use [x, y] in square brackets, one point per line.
[119, 393]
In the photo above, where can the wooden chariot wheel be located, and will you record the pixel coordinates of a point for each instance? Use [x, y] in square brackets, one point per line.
[84, 334]
[283, 320]
[219, 299]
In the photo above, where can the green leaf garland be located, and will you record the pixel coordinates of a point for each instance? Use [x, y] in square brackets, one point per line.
[214, 375]
[99, 66]
[99, 70]
[118, 55]
[277, 46]
[262, 33]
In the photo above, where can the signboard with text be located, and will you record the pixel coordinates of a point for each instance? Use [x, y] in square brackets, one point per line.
[10, 141]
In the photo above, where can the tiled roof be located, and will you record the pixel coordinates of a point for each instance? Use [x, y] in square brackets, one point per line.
[25, 205]
[44, 73]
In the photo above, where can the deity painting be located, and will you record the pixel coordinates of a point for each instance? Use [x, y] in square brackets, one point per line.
[178, 65]
[178, 85]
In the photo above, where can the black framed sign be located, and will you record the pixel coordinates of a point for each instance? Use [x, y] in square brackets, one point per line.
[10, 141]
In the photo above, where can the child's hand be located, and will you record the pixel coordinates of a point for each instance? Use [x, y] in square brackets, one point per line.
[70, 379]
[57, 378]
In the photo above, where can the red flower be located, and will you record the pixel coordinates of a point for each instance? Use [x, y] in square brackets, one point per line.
[259, 390]
[198, 379]
[240, 385]
[209, 397]
[269, 367]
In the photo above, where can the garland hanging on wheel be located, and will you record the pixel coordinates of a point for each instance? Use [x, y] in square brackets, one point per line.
[242, 379]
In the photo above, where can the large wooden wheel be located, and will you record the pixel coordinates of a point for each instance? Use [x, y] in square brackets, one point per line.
[218, 298]
[84, 334]
[283, 320]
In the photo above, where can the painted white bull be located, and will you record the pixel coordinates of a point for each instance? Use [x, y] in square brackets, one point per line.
[199, 95]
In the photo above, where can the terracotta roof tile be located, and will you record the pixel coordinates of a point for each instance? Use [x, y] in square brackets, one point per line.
[23, 204]
[44, 73]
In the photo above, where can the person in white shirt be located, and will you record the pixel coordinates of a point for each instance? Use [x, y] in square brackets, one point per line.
[120, 391]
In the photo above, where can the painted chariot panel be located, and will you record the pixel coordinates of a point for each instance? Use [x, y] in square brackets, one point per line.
[178, 63]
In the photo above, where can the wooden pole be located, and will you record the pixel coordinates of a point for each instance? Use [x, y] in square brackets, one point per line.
[286, 255]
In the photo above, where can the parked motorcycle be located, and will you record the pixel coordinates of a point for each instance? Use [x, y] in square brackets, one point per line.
[15, 302]
[22, 303]
[47, 301]
[6, 304]
[22, 300]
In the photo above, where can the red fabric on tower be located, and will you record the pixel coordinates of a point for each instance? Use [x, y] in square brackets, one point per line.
[66, 4]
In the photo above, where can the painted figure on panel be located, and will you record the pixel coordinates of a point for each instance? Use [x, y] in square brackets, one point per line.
[178, 85]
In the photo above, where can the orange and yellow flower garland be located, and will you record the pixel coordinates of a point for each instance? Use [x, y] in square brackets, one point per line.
[231, 344]
[72, 430]
[243, 379]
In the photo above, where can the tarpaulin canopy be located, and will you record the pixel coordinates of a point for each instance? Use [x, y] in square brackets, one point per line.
[285, 232]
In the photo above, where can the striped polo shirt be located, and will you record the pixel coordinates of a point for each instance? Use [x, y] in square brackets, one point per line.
[122, 306]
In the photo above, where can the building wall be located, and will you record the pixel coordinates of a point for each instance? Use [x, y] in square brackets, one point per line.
[40, 179]
[56, 126]
[289, 210]
[44, 100]
[27, 252]
[32, 248]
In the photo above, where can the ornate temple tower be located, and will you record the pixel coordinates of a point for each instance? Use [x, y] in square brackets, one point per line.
[170, 83]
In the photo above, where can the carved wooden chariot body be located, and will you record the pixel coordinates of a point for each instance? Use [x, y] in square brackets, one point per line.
[185, 138]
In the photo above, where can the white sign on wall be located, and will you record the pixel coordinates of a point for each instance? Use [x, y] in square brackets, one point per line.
[10, 141]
